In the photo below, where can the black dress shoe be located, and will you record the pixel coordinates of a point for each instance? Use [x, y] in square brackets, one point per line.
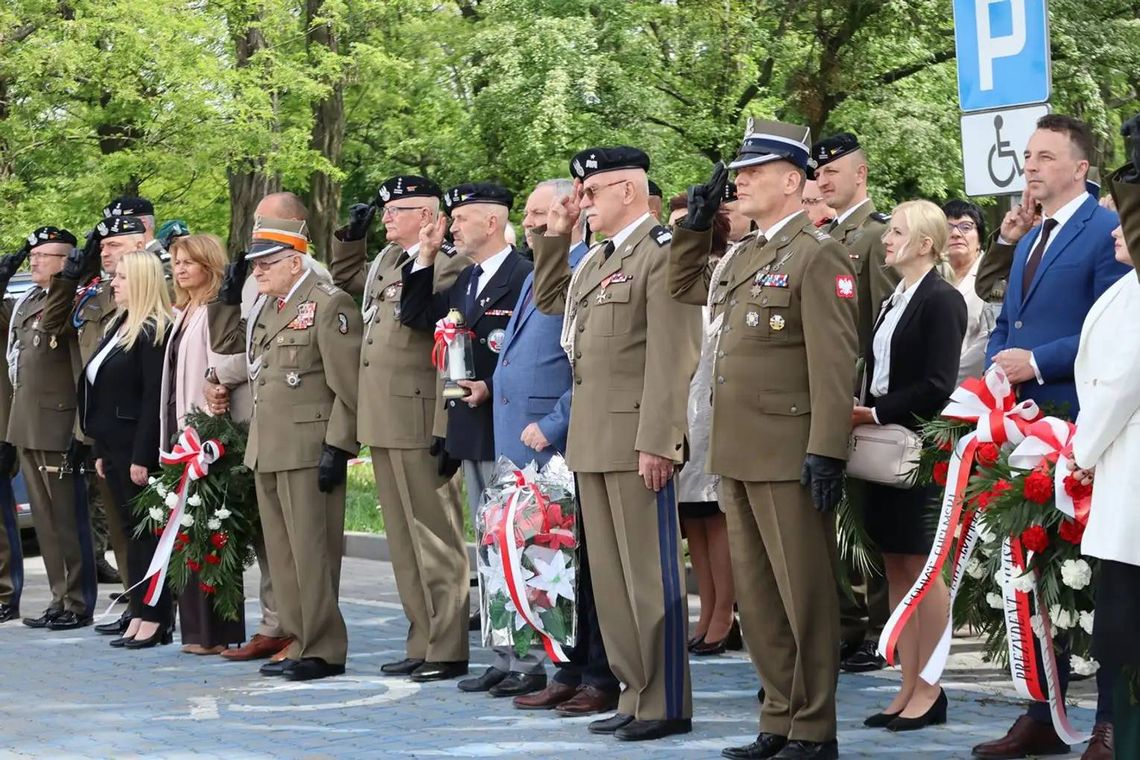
[105, 572]
[880, 720]
[8, 612]
[801, 750]
[42, 621]
[647, 730]
[312, 668]
[611, 724]
[695, 641]
[518, 684]
[115, 627]
[865, 659]
[491, 676]
[162, 635]
[69, 621]
[765, 746]
[439, 671]
[120, 642]
[935, 716]
[275, 668]
[402, 668]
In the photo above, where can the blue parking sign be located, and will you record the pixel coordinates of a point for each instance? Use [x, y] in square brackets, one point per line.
[1003, 53]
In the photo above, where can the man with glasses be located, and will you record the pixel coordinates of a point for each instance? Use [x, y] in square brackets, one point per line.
[43, 366]
[632, 351]
[817, 209]
[398, 414]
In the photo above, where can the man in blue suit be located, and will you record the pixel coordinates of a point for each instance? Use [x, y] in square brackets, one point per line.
[1060, 268]
[532, 418]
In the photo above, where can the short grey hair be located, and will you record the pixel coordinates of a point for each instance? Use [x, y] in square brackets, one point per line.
[561, 186]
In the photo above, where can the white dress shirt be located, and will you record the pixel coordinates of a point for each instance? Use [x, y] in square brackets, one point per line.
[490, 266]
[775, 228]
[624, 233]
[841, 217]
[97, 361]
[881, 344]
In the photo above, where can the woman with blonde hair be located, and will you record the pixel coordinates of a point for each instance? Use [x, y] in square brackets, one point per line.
[198, 263]
[118, 408]
[911, 371]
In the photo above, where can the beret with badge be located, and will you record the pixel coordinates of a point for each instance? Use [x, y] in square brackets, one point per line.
[272, 236]
[44, 235]
[597, 160]
[117, 226]
[766, 141]
[129, 205]
[477, 192]
[835, 147]
[406, 186]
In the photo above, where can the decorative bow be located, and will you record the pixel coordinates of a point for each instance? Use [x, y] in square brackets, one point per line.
[1050, 440]
[989, 401]
[190, 451]
[446, 332]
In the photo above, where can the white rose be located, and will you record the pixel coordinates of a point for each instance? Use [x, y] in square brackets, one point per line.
[157, 514]
[194, 500]
[160, 489]
[1038, 626]
[1076, 573]
[1023, 583]
[171, 500]
[222, 513]
[995, 600]
[213, 523]
[187, 520]
[151, 480]
[1087, 622]
[1000, 577]
[1083, 667]
[975, 570]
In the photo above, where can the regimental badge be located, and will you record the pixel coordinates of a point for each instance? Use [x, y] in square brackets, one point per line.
[342, 323]
[752, 319]
[385, 194]
[36, 340]
[293, 379]
[776, 322]
[392, 292]
[495, 340]
[306, 313]
[844, 286]
[53, 343]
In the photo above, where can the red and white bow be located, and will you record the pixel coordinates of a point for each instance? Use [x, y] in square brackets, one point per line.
[1050, 440]
[989, 401]
[190, 451]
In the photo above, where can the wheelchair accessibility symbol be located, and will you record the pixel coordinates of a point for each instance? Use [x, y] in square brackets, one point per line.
[1004, 164]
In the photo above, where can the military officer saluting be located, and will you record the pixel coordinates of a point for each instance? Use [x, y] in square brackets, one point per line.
[784, 308]
[43, 367]
[633, 350]
[396, 416]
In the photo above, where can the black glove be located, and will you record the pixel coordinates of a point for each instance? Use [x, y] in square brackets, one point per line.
[7, 460]
[1131, 131]
[333, 469]
[360, 216]
[232, 283]
[9, 265]
[76, 454]
[84, 262]
[824, 475]
[445, 465]
[704, 200]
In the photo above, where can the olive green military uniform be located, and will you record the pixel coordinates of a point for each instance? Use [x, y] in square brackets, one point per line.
[11, 562]
[993, 270]
[785, 312]
[303, 373]
[93, 310]
[46, 367]
[396, 417]
[634, 352]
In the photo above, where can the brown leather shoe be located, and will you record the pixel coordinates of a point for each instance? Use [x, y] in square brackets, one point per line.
[553, 695]
[1100, 746]
[1025, 737]
[588, 701]
[257, 648]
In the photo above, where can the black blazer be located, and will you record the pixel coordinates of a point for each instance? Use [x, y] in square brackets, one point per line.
[120, 410]
[470, 432]
[925, 350]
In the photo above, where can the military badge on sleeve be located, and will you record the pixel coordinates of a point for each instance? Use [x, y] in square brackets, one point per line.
[342, 323]
[306, 313]
[845, 286]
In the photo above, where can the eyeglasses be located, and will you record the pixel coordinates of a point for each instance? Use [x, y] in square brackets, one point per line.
[592, 192]
[397, 209]
[42, 255]
[812, 201]
[261, 265]
[962, 227]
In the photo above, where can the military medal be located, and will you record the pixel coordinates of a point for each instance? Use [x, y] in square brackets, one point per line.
[755, 291]
[293, 379]
[396, 312]
[53, 343]
[306, 312]
[751, 319]
[391, 292]
[776, 322]
[36, 340]
[495, 339]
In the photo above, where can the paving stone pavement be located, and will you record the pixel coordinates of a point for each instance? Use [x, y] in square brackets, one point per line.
[68, 695]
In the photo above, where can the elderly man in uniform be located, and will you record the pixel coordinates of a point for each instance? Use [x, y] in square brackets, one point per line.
[11, 550]
[397, 418]
[302, 339]
[841, 175]
[633, 351]
[43, 367]
[784, 307]
[485, 294]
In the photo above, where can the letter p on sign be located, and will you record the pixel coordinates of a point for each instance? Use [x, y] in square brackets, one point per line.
[1004, 46]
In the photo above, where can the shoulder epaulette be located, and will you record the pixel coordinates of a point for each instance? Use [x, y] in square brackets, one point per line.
[879, 216]
[327, 288]
[447, 249]
[816, 232]
[661, 234]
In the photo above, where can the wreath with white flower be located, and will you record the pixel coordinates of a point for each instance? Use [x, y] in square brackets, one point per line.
[220, 523]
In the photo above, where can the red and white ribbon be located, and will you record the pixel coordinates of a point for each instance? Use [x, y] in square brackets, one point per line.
[504, 534]
[990, 403]
[446, 332]
[1050, 440]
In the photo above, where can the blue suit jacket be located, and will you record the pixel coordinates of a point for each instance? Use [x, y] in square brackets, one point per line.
[1078, 266]
[532, 379]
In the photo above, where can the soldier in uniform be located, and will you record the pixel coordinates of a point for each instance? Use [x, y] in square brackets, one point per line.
[43, 367]
[841, 177]
[632, 350]
[397, 414]
[485, 294]
[303, 337]
[11, 550]
[784, 308]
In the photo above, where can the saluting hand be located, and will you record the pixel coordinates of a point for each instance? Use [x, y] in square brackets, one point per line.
[564, 212]
[1019, 219]
[431, 239]
[654, 470]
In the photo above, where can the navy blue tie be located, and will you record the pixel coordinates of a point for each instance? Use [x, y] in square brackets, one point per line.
[472, 293]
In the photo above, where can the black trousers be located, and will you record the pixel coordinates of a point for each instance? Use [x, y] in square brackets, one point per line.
[140, 548]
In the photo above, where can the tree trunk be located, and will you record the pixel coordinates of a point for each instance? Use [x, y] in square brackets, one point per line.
[327, 137]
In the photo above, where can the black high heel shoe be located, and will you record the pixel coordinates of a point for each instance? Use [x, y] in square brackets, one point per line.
[121, 641]
[161, 635]
[881, 720]
[732, 640]
[696, 641]
[935, 716]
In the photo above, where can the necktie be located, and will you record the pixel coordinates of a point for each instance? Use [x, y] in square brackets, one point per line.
[1035, 257]
[608, 250]
[280, 304]
[472, 292]
[831, 226]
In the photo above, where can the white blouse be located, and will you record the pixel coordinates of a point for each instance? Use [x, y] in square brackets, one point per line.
[897, 303]
[97, 361]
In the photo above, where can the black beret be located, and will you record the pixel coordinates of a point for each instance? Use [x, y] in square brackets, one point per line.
[598, 160]
[116, 226]
[837, 146]
[406, 186]
[50, 235]
[477, 192]
[129, 205]
[729, 192]
[655, 190]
